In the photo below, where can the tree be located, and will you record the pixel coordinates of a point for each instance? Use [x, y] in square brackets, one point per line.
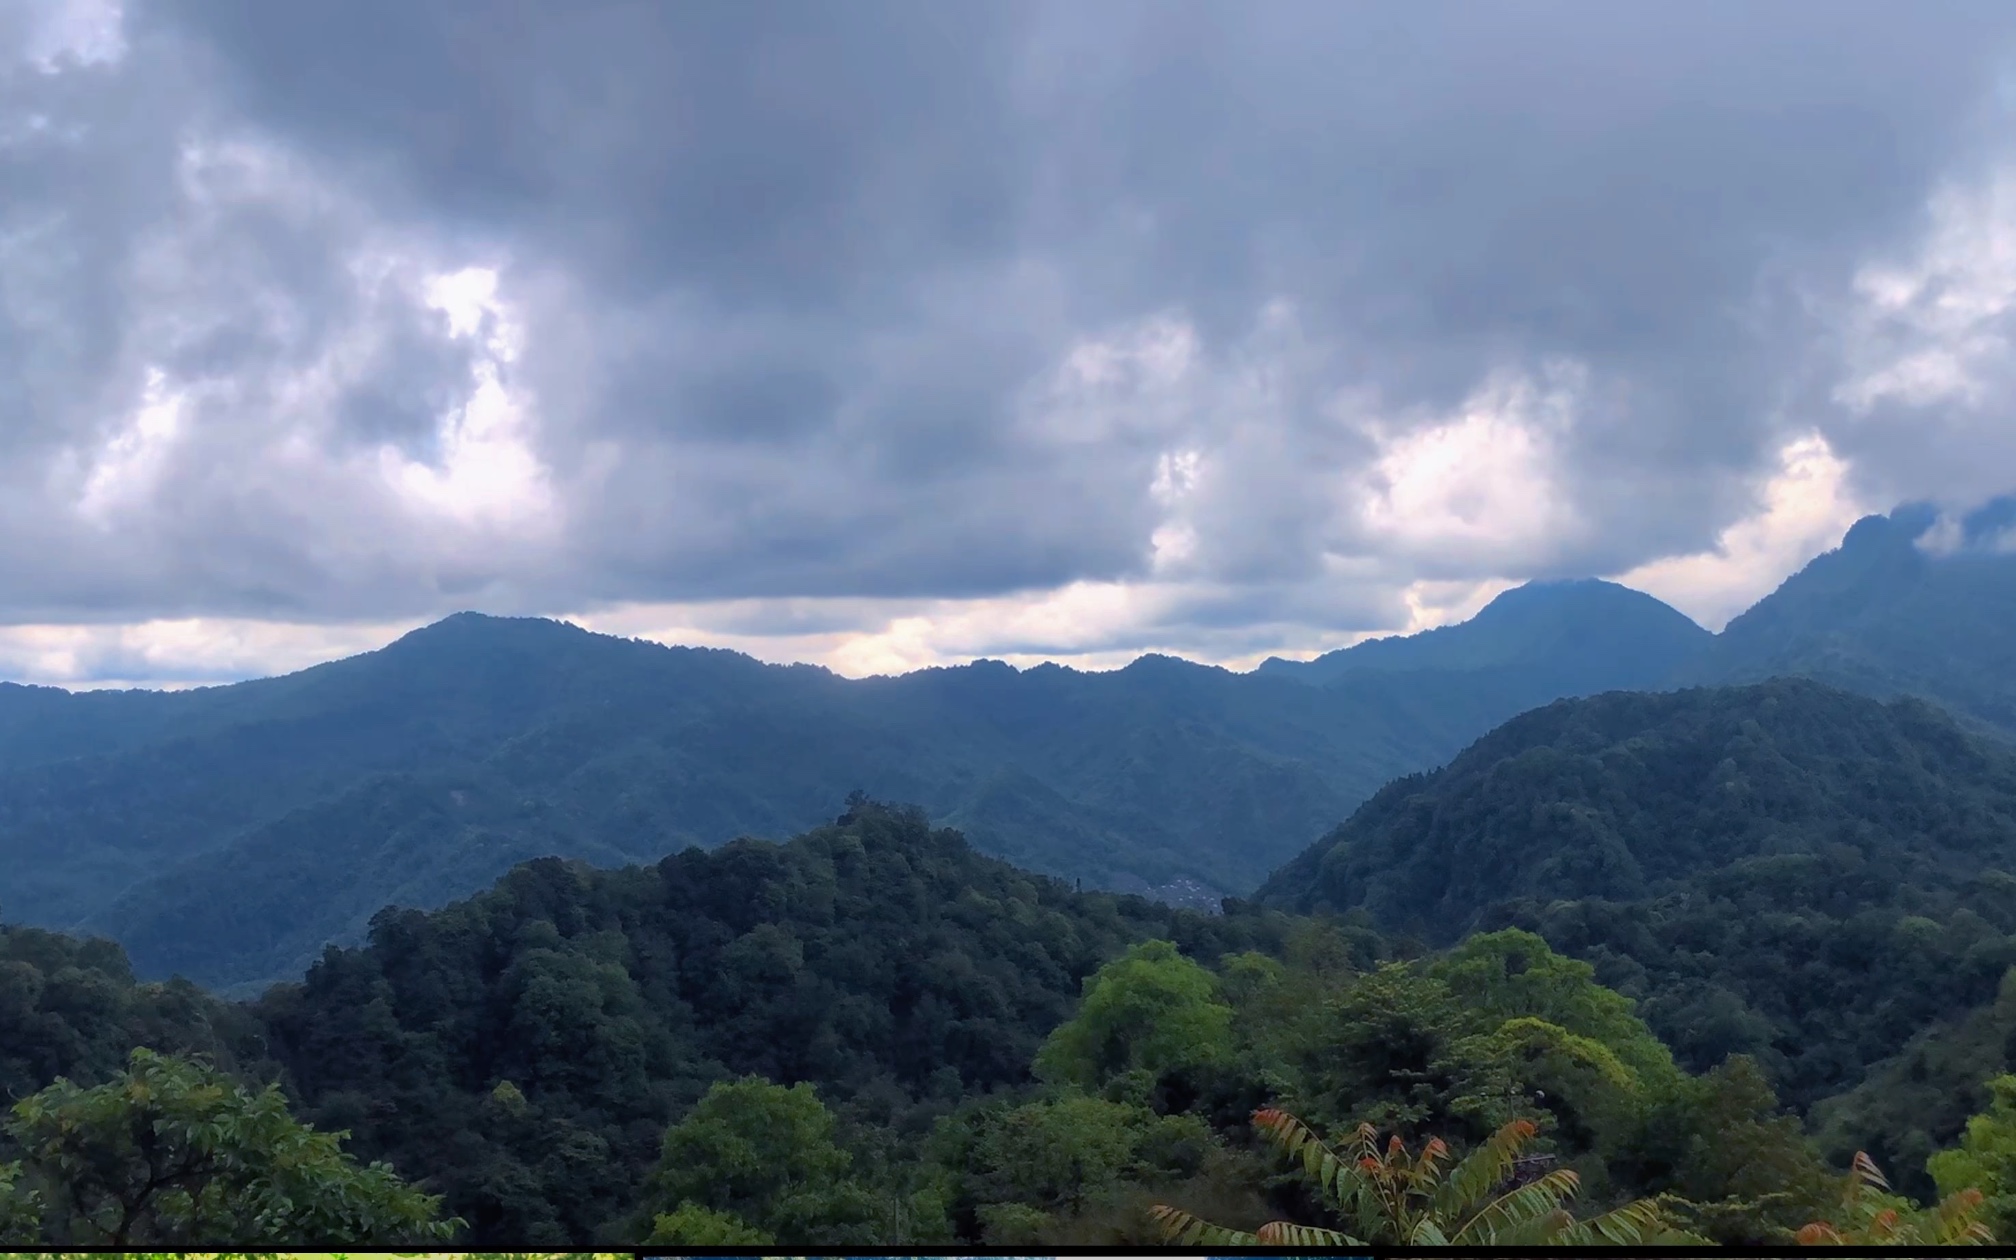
[1150, 1011]
[1870, 1215]
[1514, 975]
[1020, 1171]
[1393, 1197]
[172, 1152]
[1396, 1050]
[690, 1225]
[1985, 1160]
[1748, 1175]
[755, 1160]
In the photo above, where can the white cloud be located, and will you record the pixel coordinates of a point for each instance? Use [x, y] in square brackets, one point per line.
[1131, 383]
[1945, 538]
[1803, 510]
[179, 652]
[63, 33]
[1928, 352]
[130, 465]
[1934, 329]
[1481, 485]
[487, 471]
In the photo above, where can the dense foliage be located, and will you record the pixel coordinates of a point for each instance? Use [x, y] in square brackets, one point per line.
[874, 1036]
[528, 1047]
[71, 1008]
[175, 1153]
[1629, 796]
[1785, 871]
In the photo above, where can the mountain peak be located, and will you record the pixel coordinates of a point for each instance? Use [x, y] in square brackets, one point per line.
[1590, 634]
[1917, 601]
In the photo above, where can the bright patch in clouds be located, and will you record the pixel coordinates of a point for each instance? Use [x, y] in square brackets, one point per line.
[487, 472]
[84, 32]
[1132, 383]
[1935, 329]
[1805, 508]
[131, 463]
[1481, 484]
[179, 652]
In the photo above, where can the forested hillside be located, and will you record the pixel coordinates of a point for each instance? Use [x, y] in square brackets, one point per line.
[1783, 870]
[280, 815]
[887, 963]
[873, 1036]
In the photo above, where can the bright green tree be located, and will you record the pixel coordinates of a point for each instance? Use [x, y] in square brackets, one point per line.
[1023, 1167]
[172, 1152]
[691, 1225]
[1148, 1012]
[1985, 1160]
[1511, 975]
[756, 1160]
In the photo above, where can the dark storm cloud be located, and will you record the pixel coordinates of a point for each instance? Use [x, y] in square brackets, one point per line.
[800, 284]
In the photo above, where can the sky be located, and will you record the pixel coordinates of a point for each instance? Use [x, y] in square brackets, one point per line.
[884, 335]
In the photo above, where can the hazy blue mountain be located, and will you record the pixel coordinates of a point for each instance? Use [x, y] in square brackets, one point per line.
[419, 773]
[1904, 606]
[229, 833]
[1581, 637]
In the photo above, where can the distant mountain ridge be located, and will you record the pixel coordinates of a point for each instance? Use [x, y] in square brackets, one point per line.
[1586, 636]
[229, 833]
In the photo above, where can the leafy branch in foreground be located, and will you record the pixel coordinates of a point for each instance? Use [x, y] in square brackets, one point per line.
[1872, 1215]
[172, 1152]
[1392, 1196]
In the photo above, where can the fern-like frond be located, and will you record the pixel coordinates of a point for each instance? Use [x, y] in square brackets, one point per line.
[1515, 1207]
[1331, 1172]
[1365, 1143]
[1289, 1234]
[1866, 1173]
[1484, 1169]
[1886, 1227]
[1548, 1228]
[1182, 1229]
[1633, 1225]
[1433, 1153]
[1954, 1221]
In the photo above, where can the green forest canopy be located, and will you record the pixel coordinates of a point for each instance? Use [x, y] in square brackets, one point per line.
[953, 1050]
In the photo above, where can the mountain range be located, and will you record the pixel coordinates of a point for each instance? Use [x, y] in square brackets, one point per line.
[230, 833]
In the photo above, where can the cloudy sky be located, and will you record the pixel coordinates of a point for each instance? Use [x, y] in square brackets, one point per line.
[888, 334]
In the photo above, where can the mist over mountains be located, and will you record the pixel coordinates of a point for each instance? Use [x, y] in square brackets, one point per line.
[230, 833]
